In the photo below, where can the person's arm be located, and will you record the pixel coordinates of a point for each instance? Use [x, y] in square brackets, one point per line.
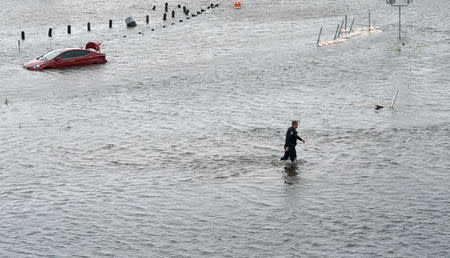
[300, 138]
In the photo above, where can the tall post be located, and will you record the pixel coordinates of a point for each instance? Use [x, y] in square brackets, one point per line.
[399, 23]
[320, 33]
[335, 34]
[340, 30]
[369, 20]
[345, 22]
[351, 26]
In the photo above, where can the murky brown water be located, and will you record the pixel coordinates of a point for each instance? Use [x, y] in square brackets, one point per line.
[172, 148]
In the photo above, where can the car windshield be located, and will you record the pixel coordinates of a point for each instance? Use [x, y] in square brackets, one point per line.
[49, 55]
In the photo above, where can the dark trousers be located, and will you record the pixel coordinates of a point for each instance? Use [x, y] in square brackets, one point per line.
[291, 153]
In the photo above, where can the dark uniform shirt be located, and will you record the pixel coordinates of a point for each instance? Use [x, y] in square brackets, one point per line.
[291, 138]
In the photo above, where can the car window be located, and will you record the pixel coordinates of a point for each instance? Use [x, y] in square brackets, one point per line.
[67, 55]
[74, 54]
[49, 55]
[78, 53]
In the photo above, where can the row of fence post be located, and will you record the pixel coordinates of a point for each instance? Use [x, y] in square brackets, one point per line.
[147, 18]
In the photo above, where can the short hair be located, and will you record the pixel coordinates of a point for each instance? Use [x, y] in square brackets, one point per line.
[294, 122]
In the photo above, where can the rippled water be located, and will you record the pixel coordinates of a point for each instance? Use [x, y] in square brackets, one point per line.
[172, 148]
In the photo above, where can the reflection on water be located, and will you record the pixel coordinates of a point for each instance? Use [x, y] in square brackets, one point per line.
[290, 171]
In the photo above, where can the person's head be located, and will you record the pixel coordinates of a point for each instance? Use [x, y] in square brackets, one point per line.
[295, 124]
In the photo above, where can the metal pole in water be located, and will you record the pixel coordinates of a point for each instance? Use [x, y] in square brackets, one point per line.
[22, 35]
[147, 19]
[50, 32]
[320, 33]
[110, 23]
[89, 26]
[395, 98]
[399, 23]
[351, 26]
[69, 29]
[369, 20]
[345, 22]
[335, 34]
[340, 29]
[18, 42]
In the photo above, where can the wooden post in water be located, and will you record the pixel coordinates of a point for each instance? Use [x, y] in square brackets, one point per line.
[22, 35]
[369, 20]
[18, 42]
[147, 19]
[164, 16]
[166, 7]
[110, 24]
[89, 26]
[173, 13]
[320, 33]
[50, 30]
[154, 8]
[69, 29]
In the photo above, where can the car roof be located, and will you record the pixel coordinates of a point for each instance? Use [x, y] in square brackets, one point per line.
[68, 49]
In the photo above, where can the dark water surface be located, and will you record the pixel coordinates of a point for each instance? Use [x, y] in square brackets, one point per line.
[172, 148]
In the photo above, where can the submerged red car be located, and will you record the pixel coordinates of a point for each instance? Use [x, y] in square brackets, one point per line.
[68, 57]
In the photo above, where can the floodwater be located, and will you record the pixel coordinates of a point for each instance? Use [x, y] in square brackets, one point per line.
[172, 148]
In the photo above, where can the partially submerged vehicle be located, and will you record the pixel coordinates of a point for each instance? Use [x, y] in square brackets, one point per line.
[68, 57]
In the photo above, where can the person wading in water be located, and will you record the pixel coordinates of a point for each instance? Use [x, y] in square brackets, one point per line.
[291, 142]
